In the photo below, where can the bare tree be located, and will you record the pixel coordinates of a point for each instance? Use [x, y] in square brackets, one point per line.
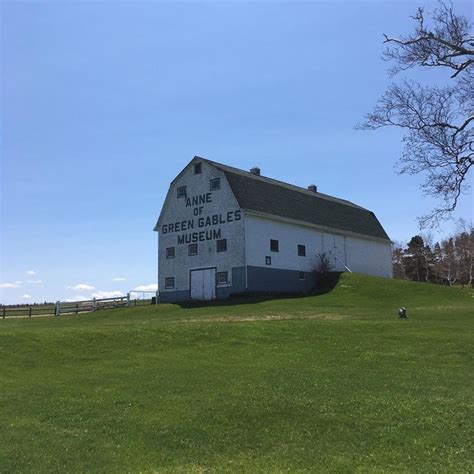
[465, 250]
[428, 253]
[449, 265]
[397, 261]
[438, 119]
[323, 265]
[438, 263]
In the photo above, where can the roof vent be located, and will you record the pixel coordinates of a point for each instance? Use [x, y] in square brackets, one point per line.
[313, 188]
[255, 170]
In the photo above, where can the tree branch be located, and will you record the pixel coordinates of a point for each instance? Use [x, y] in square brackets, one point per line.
[438, 120]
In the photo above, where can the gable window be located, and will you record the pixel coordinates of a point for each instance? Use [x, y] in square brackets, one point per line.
[170, 252]
[268, 260]
[197, 168]
[301, 276]
[215, 184]
[192, 249]
[169, 282]
[301, 250]
[222, 278]
[221, 245]
[273, 245]
[181, 191]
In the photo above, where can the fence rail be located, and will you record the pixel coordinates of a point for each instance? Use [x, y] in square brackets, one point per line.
[72, 307]
[25, 311]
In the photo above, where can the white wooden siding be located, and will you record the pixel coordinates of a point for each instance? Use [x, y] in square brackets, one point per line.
[360, 255]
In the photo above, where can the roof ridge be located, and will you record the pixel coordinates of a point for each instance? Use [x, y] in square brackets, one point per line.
[277, 182]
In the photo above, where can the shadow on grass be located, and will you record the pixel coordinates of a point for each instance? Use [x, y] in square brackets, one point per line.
[325, 285]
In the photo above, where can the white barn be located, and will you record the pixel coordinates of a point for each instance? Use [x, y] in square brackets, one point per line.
[225, 231]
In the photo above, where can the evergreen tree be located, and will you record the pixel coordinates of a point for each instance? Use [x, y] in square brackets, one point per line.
[414, 259]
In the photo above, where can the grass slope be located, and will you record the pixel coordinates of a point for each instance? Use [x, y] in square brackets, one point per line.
[333, 382]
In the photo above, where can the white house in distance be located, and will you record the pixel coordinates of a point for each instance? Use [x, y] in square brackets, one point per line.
[224, 231]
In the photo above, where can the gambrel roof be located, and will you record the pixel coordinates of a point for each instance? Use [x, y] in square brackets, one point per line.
[275, 198]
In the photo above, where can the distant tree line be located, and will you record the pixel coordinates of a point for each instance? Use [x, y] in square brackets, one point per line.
[447, 262]
[26, 305]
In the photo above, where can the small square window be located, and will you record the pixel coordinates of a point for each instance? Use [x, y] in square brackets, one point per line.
[301, 276]
[222, 277]
[192, 249]
[268, 260]
[301, 251]
[197, 168]
[221, 245]
[181, 191]
[273, 245]
[215, 184]
[170, 252]
[169, 283]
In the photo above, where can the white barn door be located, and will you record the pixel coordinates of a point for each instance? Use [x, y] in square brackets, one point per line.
[339, 253]
[203, 284]
[334, 246]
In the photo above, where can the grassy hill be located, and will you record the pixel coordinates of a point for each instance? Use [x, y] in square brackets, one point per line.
[331, 382]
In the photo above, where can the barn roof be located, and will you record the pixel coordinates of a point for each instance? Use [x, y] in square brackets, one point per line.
[276, 198]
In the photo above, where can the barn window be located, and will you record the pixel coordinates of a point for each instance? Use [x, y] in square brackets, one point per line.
[169, 283]
[181, 191]
[301, 250]
[274, 245]
[221, 245]
[197, 168]
[170, 252]
[215, 184]
[301, 276]
[222, 278]
[268, 260]
[192, 249]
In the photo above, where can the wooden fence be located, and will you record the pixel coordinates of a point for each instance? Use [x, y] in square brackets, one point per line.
[91, 305]
[27, 311]
[71, 307]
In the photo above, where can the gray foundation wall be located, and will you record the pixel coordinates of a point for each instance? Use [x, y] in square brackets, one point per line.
[277, 280]
[260, 279]
[238, 284]
[174, 296]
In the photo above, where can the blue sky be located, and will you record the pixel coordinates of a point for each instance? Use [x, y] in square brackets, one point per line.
[103, 103]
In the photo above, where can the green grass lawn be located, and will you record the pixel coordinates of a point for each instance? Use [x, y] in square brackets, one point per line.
[324, 383]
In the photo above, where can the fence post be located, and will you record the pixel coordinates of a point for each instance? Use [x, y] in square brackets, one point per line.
[94, 305]
[30, 312]
[128, 299]
[58, 309]
[77, 308]
[4, 311]
[156, 297]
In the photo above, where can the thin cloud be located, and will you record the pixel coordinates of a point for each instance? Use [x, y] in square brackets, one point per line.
[10, 285]
[150, 287]
[34, 282]
[77, 298]
[119, 279]
[107, 294]
[31, 272]
[81, 287]
[26, 296]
